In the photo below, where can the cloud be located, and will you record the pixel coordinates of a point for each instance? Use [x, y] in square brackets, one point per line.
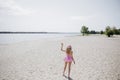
[10, 7]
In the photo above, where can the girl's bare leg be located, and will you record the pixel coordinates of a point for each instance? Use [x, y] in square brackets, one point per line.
[65, 68]
[69, 69]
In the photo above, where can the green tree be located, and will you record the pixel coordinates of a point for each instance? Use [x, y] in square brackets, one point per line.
[101, 32]
[108, 31]
[115, 31]
[119, 31]
[92, 32]
[84, 30]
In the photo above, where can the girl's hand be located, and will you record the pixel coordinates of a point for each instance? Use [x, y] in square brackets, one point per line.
[62, 47]
[74, 62]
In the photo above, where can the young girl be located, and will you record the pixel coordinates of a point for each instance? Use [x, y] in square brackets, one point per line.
[68, 59]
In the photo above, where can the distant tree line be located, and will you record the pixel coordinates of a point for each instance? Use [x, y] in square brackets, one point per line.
[109, 31]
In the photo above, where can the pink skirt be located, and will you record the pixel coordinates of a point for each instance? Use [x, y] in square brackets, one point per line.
[68, 59]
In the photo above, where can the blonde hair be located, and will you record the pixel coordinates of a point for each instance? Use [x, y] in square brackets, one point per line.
[68, 49]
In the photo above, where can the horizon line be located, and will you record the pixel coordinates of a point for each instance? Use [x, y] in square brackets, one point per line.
[42, 32]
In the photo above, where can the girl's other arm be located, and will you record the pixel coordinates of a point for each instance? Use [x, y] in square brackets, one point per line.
[73, 58]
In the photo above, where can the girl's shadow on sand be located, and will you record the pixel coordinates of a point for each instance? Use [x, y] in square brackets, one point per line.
[69, 78]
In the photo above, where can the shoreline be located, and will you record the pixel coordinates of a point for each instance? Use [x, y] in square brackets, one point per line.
[53, 38]
[13, 40]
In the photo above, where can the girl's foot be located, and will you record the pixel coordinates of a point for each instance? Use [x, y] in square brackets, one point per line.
[65, 76]
[63, 73]
[68, 76]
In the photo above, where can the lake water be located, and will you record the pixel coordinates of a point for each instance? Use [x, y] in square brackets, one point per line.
[13, 38]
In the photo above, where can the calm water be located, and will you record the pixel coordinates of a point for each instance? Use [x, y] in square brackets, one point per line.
[13, 38]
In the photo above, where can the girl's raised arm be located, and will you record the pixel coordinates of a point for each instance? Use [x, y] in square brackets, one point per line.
[62, 47]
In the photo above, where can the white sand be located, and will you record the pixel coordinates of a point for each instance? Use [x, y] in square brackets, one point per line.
[97, 58]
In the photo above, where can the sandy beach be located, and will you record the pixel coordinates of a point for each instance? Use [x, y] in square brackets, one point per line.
[97, 58]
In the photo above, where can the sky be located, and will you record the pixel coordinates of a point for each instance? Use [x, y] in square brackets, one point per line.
[58, 15]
